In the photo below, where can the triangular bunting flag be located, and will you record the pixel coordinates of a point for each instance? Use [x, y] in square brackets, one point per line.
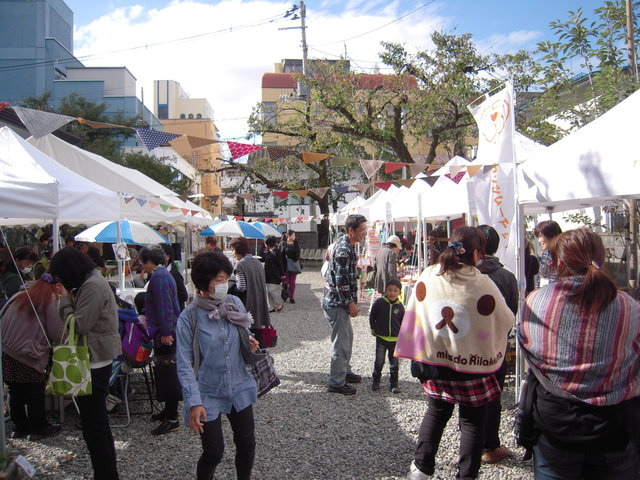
[247, 196]
[406, 182]
[93, 124]
[309, 157]
[320, 192]
[141, 201]
[390, 167]
[41, 123]
[185, 211]
[238, 218]
[278, 153]
[370, 167]
[430, 180]
[4, 105]
[153, 204]
[416, 168]
[164, 207]
[184, 198]
[302, 193]
[153, 138]
[341, 189]
[196, 142]
[281, 195]
[432, 168]
[128, 197]
[194, 212]
[383, 185]
[473, 169]
[361, 187]
[342, 161]
[241, 149]
[213, 198]
[456, 178]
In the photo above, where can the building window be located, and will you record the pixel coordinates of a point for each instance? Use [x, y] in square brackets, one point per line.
[190, 116]
[182, 116]
[269, 111]
[163, 112]
[199, 115]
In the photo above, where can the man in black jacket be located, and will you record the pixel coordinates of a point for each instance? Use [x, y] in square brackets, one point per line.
[508, 286]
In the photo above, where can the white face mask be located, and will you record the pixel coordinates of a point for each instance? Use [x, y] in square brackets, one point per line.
[25, 270]
[219, 291]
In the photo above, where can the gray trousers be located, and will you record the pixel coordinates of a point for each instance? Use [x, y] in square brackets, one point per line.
[341, 345]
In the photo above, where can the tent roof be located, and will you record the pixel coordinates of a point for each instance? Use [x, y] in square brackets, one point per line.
[123, 180]
[29, 173]
[593, 164]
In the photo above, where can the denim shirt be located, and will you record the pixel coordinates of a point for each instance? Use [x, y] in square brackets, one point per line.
[223, 381]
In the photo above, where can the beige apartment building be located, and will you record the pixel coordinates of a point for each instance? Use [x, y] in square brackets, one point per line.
[179, 113]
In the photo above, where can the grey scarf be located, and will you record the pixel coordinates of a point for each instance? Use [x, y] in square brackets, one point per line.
[217, 309]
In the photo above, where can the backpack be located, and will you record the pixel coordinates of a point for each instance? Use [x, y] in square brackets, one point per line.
[136, 344]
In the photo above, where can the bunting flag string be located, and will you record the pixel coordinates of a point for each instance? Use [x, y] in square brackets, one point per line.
[96, 125]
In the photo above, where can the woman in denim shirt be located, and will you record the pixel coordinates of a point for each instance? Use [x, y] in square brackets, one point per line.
[214, 379]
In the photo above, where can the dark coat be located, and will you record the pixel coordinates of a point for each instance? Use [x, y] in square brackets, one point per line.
[503, 278]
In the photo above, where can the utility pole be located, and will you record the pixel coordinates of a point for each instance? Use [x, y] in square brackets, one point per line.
[631, 49]
[305, 49]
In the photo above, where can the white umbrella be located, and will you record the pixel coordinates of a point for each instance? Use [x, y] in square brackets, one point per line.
[134, 233]
[267, 229]
[232, 228]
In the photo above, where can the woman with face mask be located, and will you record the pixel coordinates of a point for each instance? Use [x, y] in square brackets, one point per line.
[211, 367]
[16, 274]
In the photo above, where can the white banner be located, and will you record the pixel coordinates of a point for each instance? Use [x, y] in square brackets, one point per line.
[496, 197]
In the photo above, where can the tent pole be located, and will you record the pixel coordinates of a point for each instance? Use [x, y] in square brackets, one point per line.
[56, 235]
[120, 262]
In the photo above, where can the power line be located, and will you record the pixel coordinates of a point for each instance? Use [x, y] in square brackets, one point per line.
[273, 19]
[382, 26]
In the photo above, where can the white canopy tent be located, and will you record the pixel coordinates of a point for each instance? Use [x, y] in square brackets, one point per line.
[124, 180]
[72, 198]
[597, 163]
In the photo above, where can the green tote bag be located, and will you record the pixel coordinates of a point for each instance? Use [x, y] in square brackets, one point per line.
[70, 374]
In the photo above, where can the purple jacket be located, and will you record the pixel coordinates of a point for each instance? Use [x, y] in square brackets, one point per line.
[161, 304]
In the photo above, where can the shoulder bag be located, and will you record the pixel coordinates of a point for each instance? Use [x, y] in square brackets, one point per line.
[70, 374]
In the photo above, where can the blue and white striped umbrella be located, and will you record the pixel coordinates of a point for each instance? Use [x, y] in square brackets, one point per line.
[232, 228]
[267, 229]
[133, 233]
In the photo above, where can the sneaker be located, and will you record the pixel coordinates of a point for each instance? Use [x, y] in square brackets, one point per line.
[345, 389]
[166, 427]
[45, 431]
[494, 456]
[292, 300]
[353, 378]
[161, 415]
[394, 389]
[416, 474]
[375, 385]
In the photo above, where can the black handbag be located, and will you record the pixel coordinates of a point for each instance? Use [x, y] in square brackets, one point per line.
[168, 387]
[284, 293]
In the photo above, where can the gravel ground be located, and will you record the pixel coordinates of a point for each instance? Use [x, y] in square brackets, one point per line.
[302, 431]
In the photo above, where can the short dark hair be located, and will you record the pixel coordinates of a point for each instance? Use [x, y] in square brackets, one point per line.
[354, 221]
[548, 228]
[240, 245]
[25, 253]
[395, 283]
[213, 241]
[71, 267]
[45, 237]
[206, 266]
[270, 241]
[169, 252]
[154, 254]
[491, 237]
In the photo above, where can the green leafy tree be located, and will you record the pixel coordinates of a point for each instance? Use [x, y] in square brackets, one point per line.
[582, 73]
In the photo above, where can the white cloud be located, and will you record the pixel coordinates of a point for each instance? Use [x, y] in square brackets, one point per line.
[510, 42]
[226, 67]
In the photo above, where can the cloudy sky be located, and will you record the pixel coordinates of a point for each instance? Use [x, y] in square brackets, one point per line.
[219, 50]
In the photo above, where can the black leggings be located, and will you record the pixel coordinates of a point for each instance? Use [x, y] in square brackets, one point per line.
[213, 444]
[471, 437]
